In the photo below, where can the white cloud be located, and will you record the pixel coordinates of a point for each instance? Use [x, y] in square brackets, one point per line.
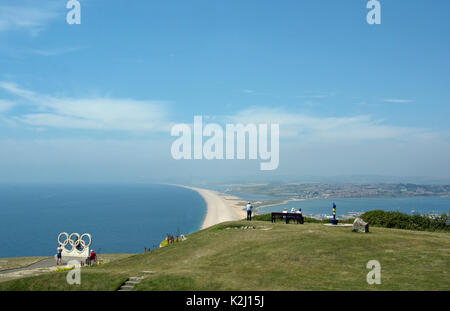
[34, 17]
[54, 52]
[397, 101]
[310, 103]
[5, 105]
[313, 96]
[90, 113]
[248, 91]
[103, 113]
[315, 129]
[16, 90]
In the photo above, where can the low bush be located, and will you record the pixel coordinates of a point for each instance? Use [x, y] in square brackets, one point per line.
[380, 218]
[399, 220]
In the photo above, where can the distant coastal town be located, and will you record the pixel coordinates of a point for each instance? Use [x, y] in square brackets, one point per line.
[344, 190]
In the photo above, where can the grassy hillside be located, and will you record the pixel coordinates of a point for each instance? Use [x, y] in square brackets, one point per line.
[273, 257]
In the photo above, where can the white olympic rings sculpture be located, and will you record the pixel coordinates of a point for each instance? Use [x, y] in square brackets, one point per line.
[75, 241]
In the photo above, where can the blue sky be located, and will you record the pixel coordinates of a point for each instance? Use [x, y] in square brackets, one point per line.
[95, 102]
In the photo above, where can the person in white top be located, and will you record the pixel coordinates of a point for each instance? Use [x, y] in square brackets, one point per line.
[249, 211]
[291, 212]
[59, 255]
[284, 212]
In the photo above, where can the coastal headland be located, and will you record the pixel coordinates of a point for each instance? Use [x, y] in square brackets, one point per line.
[261, 255]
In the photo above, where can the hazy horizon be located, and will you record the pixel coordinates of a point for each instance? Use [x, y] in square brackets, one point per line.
[218, 180]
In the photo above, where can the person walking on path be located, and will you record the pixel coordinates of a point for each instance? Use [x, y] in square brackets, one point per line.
[249, 211]
[59, 255]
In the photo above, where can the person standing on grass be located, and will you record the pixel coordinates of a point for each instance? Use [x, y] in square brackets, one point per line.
[93, 257]
[249, 211]
[300, 214]
[59, 255]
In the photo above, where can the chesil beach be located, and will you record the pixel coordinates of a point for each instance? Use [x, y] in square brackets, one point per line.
[220, 207]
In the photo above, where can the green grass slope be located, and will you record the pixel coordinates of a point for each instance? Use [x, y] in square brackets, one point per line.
[284, 257]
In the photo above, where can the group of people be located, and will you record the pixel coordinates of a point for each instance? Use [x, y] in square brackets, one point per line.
[171, 239]
[91, 258]
[293, 211]
[250, 208]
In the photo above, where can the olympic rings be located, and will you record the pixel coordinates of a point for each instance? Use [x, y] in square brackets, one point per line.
[65, 241]
[83, 242]
[75, 241]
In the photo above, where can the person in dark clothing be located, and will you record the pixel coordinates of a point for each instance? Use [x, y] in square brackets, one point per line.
[249, 211]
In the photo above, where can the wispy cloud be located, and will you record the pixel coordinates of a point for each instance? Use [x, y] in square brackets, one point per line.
[99, 113]
[313, 96]
[105, 113]
[331, 129]
[5, 105]
[16, 90]
[31, 16]
[257, 93]
[55, 52]
[398, 101]
[310, 103]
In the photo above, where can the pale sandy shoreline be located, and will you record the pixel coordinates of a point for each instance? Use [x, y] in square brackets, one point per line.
[220, 207]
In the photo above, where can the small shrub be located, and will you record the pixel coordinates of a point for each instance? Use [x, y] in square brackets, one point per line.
[399, 220]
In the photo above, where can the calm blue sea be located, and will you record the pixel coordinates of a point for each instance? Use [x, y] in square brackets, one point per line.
[410, 205]
[121, 218]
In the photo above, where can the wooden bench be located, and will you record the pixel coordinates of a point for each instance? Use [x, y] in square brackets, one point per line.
[287, 217]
